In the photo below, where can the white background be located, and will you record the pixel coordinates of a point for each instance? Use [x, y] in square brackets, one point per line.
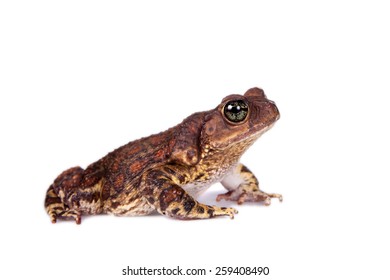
[80, 78]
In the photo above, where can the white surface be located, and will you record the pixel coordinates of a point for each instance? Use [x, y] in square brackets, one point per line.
[80, 78]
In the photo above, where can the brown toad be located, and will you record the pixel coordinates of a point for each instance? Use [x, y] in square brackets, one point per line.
[167, 171]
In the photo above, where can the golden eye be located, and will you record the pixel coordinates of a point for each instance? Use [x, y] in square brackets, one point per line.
[236, 110]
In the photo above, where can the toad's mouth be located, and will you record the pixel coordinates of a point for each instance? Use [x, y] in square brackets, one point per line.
[249, 136]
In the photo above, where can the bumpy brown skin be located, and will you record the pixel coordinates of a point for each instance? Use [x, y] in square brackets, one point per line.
[166, 171]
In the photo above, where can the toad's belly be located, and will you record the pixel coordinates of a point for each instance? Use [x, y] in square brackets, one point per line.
[209, 178]
[196, 189]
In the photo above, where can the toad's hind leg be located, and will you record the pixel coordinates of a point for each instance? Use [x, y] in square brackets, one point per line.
[53, 204]
[76, 192]
[57, 209]
[58, 193]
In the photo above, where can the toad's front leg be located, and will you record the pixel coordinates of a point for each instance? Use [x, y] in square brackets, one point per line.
[243, 186]
[162, 189]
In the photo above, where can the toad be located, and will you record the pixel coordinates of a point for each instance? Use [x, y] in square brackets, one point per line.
[166, 172]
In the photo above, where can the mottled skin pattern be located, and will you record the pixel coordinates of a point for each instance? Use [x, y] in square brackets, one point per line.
[167, 171]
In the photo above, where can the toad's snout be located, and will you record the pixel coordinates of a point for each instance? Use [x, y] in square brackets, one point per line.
[274, 110]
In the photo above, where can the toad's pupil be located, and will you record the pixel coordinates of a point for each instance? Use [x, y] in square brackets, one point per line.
[234, 108]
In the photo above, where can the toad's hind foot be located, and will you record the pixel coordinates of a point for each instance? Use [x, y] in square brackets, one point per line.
[58, 210]
[65, 215]
[242, 195]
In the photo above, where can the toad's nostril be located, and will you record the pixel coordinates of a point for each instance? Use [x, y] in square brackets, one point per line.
[276, 110]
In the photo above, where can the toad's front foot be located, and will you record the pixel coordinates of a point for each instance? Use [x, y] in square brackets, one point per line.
[243, 194]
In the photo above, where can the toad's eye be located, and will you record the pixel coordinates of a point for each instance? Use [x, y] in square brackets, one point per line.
[236, 110]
